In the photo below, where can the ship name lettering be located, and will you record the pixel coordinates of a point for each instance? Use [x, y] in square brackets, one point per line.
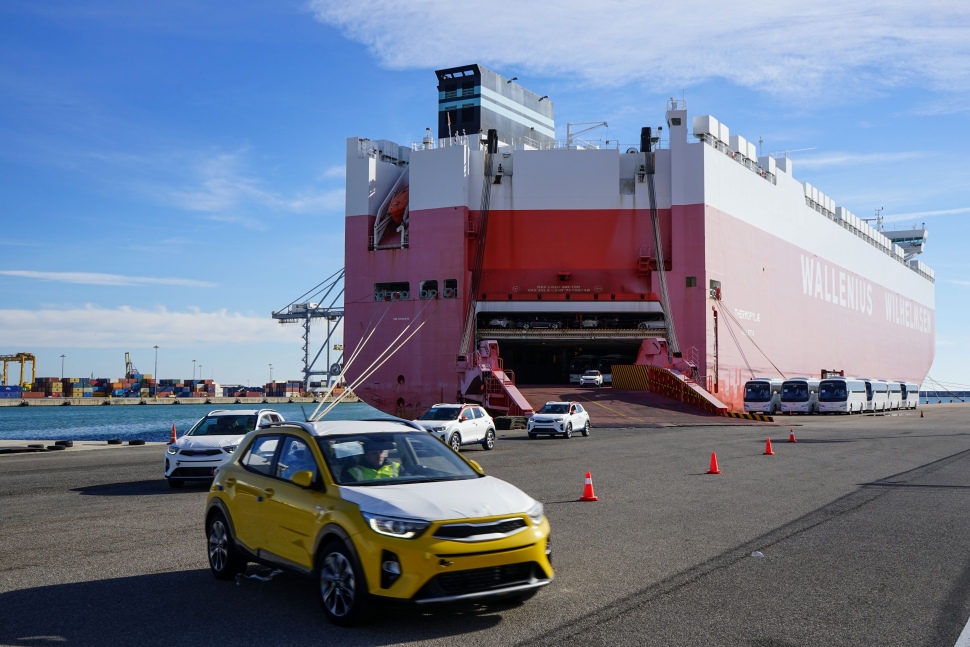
[905, 313]
[835, 286]
[747, 314]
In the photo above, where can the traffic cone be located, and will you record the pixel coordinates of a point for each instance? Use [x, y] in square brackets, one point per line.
[713, 469]
[173, 437]
[791, 437]
[768, 451]
[920, 413]
[588, 490]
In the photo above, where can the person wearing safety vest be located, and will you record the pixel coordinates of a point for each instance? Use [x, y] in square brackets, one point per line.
[374, 464]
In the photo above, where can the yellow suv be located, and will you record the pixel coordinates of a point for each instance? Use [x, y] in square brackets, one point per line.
[374, 510]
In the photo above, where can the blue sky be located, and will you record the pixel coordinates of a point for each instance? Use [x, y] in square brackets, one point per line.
[171, 173]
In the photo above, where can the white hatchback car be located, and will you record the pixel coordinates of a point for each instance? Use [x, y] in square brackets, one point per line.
[211, 441]
[559, 419]
[459, 424]
[592, 377]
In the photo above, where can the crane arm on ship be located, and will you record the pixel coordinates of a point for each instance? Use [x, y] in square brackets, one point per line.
[590, 125]
[673, 346]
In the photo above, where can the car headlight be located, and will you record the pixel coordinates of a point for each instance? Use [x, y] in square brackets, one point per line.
[439, 427]
[173, 449]
[536, 513]
[394, 526]
[229, 448]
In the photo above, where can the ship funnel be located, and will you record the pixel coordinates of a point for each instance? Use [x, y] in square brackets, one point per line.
[645, 140]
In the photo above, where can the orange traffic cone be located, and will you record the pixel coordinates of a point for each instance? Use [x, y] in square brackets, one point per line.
[713, 469]
[588, 490]
[173, 437]
[791, 437]
[768, 451]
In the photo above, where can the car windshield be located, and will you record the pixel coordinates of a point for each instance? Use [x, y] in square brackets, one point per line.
[392, 459]
[230, 425]
[441, 413]
[554, 408]
[832, 391]
[757, 392]
[592, 373]
[794, 392]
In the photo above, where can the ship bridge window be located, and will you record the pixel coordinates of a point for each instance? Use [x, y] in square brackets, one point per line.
[451, 289]
[397, 291]
[428, 290]
[468, 112]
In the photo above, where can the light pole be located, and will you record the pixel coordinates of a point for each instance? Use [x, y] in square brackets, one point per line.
[62, 367]
[270, 373]
[193, 370]
[201, 377]
[155, 396]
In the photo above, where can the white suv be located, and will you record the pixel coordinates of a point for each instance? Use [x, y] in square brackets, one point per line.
[459, 424]
[559, 419]
[211, 441]
[592, 377]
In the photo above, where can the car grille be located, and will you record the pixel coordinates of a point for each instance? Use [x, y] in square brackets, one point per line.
[480, 531]
[200, 452]
[192, 472]
[479, 579]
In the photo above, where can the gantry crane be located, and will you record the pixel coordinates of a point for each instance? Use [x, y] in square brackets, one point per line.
[310, 306]
[22, 359]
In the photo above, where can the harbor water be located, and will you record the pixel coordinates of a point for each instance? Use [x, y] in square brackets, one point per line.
[151, 423]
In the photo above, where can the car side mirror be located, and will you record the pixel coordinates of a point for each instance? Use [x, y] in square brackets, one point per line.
[303, 478]
[462, 418]
[476, 466]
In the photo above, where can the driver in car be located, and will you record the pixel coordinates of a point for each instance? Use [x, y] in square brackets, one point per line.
[374, 464]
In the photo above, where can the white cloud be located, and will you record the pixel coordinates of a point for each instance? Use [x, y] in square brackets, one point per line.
[97, 327]
[788, 47]
[917, 215]
[830, 160]
[111, 280]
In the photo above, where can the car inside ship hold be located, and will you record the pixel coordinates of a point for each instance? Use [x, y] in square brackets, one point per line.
[558, 347]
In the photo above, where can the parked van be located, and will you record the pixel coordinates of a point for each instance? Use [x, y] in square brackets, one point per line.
[877, 392]
[799, 395]
[762, 395]
[895, 401]
[841, 395]
[910, 395]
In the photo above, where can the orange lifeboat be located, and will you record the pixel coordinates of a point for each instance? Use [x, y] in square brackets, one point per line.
[399, 204]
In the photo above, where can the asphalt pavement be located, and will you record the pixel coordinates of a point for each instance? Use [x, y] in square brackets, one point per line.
[856, 534]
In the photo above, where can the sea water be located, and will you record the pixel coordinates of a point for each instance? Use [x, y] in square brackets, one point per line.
[151, 423]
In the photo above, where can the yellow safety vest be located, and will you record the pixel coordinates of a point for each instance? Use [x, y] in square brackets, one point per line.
[365, 473]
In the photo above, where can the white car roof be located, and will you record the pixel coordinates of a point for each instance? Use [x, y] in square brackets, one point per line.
[338, 427]
[238, 412]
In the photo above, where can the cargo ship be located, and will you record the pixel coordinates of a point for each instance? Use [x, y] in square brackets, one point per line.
[491, 255]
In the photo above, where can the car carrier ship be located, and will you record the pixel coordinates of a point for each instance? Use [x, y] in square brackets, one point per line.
[490, 256]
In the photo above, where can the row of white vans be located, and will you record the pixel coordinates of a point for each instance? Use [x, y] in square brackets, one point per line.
[829, 395]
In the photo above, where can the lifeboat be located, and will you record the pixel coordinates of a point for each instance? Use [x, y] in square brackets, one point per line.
[399, 205]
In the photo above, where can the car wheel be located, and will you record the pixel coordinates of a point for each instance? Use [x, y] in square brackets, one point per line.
[175, 484]
[224, 559]
[489, 441]
[455, 441]
[569, 430]
[342, 587]
[586, 428]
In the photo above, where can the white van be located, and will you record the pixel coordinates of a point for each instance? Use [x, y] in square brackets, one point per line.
[762, 395]
[895, 396]
[910, 395]
[841, 395]
[877, 395]
[799, 395]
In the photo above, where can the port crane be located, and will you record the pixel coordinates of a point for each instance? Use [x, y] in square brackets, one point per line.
[309, 306]
[21, 359]
[130, 370]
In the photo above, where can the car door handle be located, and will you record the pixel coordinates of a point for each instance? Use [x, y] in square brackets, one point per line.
[269, 492]
[230, 481]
